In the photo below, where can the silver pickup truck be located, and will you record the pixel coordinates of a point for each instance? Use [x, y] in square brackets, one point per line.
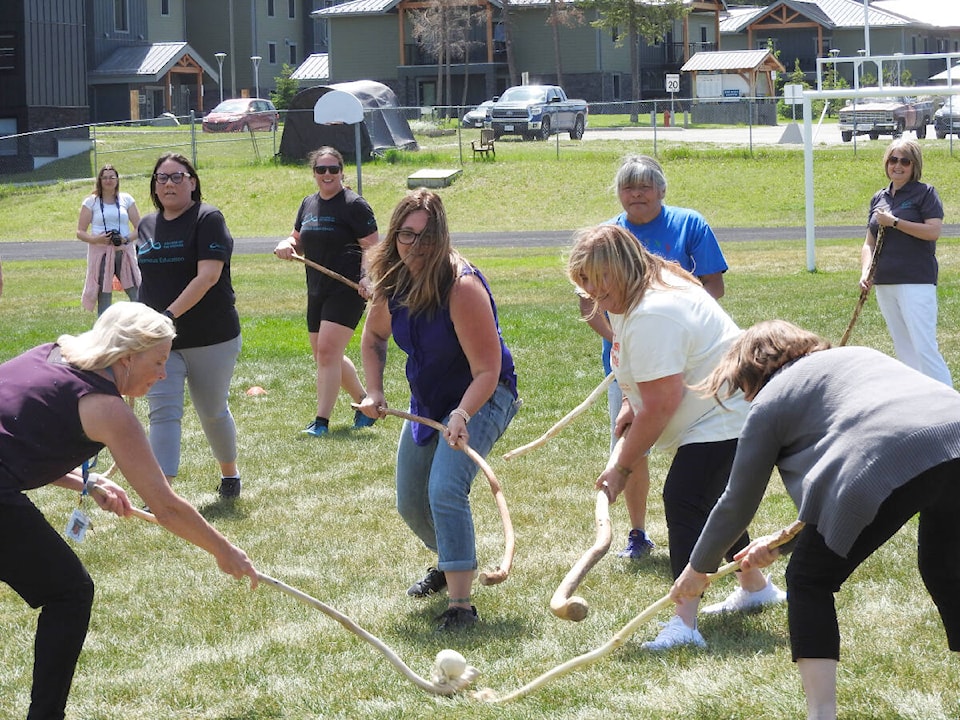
[885, 116]
[536, 112]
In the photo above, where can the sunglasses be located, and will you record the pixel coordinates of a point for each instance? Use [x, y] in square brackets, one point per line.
[176, 178]
[904, 161]
[324, 169]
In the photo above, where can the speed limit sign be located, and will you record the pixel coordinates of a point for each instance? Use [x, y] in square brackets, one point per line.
[673, 83]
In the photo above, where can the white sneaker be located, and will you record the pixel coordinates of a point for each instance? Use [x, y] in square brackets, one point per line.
[740, 600]
[675, 634]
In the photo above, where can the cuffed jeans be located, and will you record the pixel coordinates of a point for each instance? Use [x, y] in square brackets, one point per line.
[815, 572]
[43, 570]
[207, 371]
[434, 480]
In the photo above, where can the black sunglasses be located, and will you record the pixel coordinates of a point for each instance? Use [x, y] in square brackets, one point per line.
[893, 160]
[324, 169]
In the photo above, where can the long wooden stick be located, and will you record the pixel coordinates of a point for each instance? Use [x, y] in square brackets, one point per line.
[489, 696]
[865, 292]
[562, 422]
[501, 571]
[576, 608]
[444, 685]
[327, 271]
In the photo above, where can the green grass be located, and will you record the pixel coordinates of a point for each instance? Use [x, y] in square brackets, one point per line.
[172, 637]
[527, 188]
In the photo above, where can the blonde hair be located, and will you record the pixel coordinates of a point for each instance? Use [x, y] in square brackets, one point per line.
[431, 288]
[909, 149]
[611, 257]
[126, 328]
[753, 358]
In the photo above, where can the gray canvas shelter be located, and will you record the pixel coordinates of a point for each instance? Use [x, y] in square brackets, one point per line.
[384, 125]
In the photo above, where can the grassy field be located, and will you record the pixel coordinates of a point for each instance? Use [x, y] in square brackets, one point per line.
[171, 637]
[530, 186]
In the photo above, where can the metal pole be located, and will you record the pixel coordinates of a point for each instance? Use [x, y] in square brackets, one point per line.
[220, 56]
[255, 59]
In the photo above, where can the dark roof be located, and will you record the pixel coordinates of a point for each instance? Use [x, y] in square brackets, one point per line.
[145, 63]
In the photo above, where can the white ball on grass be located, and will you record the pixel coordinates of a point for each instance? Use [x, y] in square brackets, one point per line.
[450, 664]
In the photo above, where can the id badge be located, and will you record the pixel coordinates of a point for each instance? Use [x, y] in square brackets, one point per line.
[77, 525]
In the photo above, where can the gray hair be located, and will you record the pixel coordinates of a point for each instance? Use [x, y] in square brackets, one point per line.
[639, 170]
[126, 328]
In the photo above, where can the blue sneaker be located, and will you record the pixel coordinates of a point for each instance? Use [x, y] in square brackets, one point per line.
[362, 421]
[315, 429]
[638, 545]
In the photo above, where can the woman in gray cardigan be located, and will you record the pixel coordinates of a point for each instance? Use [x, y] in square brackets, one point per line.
[863, 443]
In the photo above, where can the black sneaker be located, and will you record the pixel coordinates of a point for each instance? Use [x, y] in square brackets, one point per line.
[433, 582]
[456, 618]
[229, 488]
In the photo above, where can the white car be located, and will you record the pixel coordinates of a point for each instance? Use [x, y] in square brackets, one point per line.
[474, 118]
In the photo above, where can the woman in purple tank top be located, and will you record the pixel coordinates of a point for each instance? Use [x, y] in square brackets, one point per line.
[441, 313]
[60, 404]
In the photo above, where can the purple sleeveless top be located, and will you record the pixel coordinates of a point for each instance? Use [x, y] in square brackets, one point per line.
[41, 438]
[437, 368]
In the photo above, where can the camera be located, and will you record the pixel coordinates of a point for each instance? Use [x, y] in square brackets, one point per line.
[115, 237]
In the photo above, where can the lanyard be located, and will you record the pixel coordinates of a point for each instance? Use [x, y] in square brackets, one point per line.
[104, 217]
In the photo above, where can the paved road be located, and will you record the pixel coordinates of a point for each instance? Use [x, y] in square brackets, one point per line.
[74, 249]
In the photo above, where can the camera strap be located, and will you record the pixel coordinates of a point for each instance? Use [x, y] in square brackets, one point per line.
[104, 217]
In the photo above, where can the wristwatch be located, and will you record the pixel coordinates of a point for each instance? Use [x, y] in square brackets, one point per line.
[895, 221]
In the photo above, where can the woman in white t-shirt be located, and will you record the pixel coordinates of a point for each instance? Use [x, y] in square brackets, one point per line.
[106, 218]
[668, 334]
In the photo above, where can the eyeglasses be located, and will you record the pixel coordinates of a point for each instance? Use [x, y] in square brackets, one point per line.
[324, 169]
[176, 178]
[409, 237]
[904, 161]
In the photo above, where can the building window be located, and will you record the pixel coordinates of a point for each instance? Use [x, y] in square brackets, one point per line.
[121, 18]
[272, 53]
[291, 8]
[165, 7]
[293, 55]
[271, 11]
[703, 34]
[8, 51]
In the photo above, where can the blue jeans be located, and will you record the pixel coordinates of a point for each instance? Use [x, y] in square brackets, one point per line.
[433, 483]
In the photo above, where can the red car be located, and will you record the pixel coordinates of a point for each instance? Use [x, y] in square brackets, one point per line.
[240, 114]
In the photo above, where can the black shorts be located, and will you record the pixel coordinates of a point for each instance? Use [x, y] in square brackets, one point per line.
[342, 308]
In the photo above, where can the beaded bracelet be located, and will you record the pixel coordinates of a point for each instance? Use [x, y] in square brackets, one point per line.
[462, 413]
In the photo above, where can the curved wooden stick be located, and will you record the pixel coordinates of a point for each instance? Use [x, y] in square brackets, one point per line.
[864, 292]
[564, 421]
[439, 686]
[327, 271]
[576, 608]
[501, 571]
[489, 696]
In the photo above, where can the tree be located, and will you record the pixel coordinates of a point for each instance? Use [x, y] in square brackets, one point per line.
[287, 87]
[642, 19]
[562, 14]
[441, 28]
[508, 43]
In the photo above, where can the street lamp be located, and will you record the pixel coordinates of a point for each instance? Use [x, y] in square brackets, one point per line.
[220, 56]
[255, 59]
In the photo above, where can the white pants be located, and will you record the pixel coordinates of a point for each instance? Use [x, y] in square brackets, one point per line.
[911, 315]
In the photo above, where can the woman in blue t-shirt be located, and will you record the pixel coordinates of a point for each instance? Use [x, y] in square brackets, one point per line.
[440, 311]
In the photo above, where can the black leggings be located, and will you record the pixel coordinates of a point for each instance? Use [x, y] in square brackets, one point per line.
[697, 478]
[815, 572]
[40, 566]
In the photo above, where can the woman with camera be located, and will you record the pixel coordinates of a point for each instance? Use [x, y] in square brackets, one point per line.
[106, 217]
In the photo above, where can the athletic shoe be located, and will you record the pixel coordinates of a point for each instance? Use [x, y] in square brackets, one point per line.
[315, 430]
[362, 421]
[433, 582]
[675, 634]
[638, 545]
[740, 600]
[229, 487]
[457, 618]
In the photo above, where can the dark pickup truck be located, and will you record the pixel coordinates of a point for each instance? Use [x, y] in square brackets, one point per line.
[536, 112]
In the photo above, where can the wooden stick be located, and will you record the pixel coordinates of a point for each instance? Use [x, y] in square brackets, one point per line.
[327, 271]
[489, 696]
[864, 292]
[576, 608]
[501, 571]
[563, 422]
[447, 686]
